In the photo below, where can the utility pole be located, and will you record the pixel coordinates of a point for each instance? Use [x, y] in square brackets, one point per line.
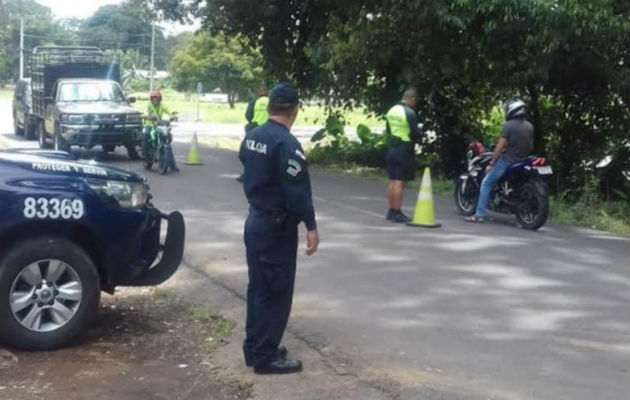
[21, 49]
[152, 55]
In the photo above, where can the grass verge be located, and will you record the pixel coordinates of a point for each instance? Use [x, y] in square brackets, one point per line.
[6, 93]
[610, 216]
[186, 106]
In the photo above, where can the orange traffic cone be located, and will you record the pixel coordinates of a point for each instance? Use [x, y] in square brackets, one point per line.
[424, 215]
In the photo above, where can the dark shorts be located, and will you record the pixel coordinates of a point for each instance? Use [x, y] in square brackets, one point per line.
[401, 163]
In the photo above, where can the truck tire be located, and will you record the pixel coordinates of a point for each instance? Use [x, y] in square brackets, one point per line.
[58, 143]
[42, 136]
[29, 128]
[49, 292]
[16, 128]
[132, 153]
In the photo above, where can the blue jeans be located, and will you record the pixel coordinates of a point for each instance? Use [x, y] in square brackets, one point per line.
[487, 184]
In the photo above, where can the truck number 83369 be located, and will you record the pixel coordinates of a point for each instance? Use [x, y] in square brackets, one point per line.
[44, 208]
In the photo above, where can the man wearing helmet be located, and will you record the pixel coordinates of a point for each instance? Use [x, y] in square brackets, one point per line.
[517, 139]
[155, 111]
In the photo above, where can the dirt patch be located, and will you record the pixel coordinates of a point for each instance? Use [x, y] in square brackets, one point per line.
[144, 344]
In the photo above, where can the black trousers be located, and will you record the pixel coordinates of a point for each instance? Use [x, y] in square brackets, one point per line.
[271, 261]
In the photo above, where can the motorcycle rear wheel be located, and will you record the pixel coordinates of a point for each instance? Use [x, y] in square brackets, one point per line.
[466, 199]
[533, 211]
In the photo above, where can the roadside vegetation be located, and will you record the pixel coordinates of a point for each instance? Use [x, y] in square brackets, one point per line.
[569, 61]
[186, 105]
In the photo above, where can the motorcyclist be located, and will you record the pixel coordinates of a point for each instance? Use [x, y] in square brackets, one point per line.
[155, 111]
[517, 139]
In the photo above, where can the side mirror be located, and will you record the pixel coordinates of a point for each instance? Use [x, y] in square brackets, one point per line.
[131, 99]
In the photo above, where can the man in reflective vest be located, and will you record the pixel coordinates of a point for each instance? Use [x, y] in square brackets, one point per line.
[256, 113]
[402, 126]
[155, 110]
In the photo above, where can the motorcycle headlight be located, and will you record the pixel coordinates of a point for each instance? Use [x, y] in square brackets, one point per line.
[121, 194]
[72, 119]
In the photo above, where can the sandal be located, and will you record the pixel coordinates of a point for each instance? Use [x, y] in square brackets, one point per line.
[474, 219]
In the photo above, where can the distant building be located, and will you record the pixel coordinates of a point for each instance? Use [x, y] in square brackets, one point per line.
[146, 74]
[216, 96]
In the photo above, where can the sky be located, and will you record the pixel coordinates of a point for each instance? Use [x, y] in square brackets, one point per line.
[84, 8]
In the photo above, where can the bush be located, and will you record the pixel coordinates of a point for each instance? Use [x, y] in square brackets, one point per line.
[586, 208]
[332, 146]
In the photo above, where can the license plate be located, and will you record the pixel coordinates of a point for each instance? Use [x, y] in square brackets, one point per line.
[546, 170]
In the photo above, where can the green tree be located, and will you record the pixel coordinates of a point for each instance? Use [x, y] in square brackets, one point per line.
[569, 59]
[218, 61]
[125, 26]
[40, 28]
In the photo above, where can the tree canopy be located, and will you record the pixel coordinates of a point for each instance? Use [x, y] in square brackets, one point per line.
[39, 25]
[217, 61]
[569, 59]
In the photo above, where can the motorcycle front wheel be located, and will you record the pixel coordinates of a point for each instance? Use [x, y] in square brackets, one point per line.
[533, 211]
[466, 196]
[163, 161]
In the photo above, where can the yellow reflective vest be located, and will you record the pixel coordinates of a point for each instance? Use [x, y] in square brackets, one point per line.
[398, 124]
[260, 110]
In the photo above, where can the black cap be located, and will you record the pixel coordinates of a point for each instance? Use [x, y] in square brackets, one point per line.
[284, 93]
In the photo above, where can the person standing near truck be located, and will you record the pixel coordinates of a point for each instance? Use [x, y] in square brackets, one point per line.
[402, 126]
[256, 113]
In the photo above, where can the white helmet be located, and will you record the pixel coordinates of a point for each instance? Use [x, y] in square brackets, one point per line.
[514, 109]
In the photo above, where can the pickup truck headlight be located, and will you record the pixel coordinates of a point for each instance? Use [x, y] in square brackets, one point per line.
[134, 119]
[76, 119]
[119, 193]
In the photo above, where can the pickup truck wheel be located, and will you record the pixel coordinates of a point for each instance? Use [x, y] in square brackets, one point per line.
[132, 153]
[58, 143]
[41, 135]
[16, 128]
[49, 291]
[29, 128]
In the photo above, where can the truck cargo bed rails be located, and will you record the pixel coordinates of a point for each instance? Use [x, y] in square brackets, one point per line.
[51, 63]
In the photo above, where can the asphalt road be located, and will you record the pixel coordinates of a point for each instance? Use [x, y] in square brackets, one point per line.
[462, 312]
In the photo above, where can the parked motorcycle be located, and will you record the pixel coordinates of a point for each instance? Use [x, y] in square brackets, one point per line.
[158, 147]
[521, 191]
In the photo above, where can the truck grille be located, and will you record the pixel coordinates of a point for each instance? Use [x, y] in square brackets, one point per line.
[103, 119]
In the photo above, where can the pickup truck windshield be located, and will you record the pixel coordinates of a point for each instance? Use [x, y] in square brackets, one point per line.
[90, 91]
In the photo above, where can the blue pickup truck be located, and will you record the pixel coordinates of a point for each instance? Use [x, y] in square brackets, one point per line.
[70, 229]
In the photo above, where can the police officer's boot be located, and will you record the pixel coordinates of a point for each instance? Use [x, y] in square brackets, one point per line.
[281, 353]
[279, 366]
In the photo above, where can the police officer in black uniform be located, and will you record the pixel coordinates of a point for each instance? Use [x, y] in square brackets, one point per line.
[278, 188]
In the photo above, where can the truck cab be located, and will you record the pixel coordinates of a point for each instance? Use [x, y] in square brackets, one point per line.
[78, 101]
[88, 112]
[70, 229]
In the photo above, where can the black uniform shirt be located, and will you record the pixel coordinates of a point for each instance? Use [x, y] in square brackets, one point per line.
[276, 175]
